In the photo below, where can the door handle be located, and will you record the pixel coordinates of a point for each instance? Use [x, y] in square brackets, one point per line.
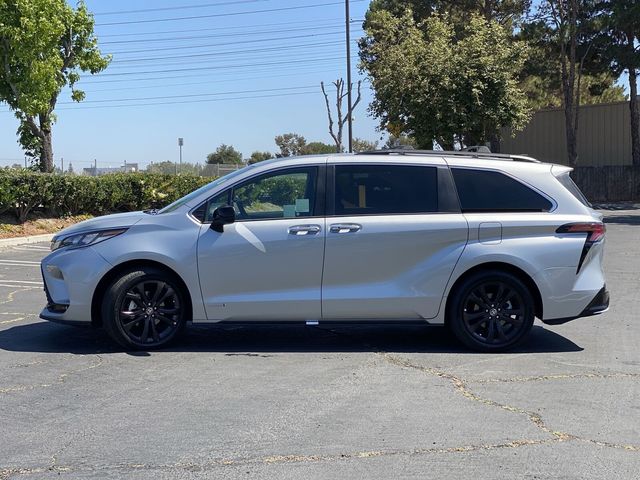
[345, 228]
[300, 230]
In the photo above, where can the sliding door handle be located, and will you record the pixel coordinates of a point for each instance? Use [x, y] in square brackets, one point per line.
[301, 230]
[345, 228]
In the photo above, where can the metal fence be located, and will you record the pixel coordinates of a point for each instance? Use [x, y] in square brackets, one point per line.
[604, 136]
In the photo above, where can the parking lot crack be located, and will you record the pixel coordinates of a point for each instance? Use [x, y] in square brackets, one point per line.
[562, 376]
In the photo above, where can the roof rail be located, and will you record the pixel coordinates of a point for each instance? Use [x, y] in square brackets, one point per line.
[455, 153]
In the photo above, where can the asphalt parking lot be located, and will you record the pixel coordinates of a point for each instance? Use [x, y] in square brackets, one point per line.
[322, 402]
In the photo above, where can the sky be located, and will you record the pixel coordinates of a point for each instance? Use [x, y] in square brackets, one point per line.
[210, 71]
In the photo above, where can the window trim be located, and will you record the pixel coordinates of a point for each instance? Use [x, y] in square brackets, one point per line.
[319, 207]
[554, 204]
[331, 189]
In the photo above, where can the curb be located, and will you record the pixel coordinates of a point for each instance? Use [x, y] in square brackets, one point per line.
[11, 242]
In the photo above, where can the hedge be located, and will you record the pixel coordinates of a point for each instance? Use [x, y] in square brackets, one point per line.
[24, 191]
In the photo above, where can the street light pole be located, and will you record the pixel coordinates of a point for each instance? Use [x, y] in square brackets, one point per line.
[348, 39]
[180, 144]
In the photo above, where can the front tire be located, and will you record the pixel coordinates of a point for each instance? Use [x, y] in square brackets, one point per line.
[491, 311]
[144, 309]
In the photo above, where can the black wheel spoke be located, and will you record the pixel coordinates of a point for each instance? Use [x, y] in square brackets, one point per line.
[494, 313]
[150, 312]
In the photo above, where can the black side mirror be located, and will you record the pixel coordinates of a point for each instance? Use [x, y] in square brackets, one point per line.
[222, 216]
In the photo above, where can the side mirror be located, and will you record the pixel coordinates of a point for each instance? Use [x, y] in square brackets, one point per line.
[222, 216]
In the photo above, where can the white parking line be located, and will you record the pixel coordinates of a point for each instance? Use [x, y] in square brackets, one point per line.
[2, 280]
[31, 262]
[12, 264]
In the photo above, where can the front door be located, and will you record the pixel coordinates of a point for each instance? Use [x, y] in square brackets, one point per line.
[391, 246]
[268, 264]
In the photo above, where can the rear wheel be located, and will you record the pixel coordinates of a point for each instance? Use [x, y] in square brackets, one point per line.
[491, 311]
[144, 309]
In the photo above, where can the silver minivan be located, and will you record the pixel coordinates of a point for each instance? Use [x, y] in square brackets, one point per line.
[482, 243]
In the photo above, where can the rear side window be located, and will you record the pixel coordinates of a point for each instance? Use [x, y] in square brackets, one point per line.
[489, 191]
[567, 182]
[385, 189]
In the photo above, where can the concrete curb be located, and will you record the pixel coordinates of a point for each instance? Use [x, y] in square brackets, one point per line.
[11, 242]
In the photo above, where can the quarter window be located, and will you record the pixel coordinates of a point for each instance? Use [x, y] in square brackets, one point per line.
[385, 189]
[489, 191]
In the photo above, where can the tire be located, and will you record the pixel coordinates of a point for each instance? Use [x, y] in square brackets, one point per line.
[491, 311]
[144, 309]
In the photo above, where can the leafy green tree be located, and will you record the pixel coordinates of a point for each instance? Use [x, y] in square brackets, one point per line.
[290, 144]
[225, 154]
[618, 46]
[44, 45]
[259, 157]
[361, 145]
[401, 141]
[317, 148]
[435, 84]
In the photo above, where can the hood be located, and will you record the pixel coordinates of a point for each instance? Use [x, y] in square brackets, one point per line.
[105, 222]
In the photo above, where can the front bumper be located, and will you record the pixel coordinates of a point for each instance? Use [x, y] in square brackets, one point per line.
[599, 304]
[70, 278]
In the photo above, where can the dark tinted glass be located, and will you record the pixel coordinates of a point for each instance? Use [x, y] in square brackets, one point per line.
[568, 183]
[385, 189]
[487, 191]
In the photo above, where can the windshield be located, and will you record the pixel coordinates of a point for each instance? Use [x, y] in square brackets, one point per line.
[196, 193]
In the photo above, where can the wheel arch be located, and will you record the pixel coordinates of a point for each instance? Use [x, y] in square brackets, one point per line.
[111, 275]
[500, 266]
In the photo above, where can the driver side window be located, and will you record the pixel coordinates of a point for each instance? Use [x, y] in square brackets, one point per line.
[282, 194]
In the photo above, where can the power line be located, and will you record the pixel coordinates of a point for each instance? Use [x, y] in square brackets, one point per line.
[168, 97]
[191, 69]
[229, 14]
[234, 27]
[223, 44]
[218, 35]
[183, 7]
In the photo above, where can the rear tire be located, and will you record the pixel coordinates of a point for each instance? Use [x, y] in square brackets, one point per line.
[491, 311]
[144, 309]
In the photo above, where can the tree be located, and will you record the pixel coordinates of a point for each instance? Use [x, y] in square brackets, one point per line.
[225, 154]
[317, 148]
[290, 144]
[70, 169]
[402, 141]
[571, 28]
[361, 145]
[341, 119]
[620, 48]
[44, 45]
[259, 157]
[435, 84]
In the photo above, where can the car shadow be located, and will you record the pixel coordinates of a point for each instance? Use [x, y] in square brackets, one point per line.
[45, 337]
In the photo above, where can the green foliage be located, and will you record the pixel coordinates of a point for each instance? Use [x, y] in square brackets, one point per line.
[435, 84]
[225, 154]
[361, 145]
[22, 191]
[168, 168]
[259, 157]
[293, 144]
[290, 144]
[401, 141]
[44, 45]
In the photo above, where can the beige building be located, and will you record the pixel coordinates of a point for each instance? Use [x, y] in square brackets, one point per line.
[604, 136]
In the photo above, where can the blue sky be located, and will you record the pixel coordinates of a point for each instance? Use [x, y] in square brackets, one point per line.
[280, 55]
[187, 68]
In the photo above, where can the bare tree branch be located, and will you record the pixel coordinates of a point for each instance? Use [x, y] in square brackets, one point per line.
[326, 99]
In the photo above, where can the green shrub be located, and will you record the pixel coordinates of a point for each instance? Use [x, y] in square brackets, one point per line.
[22, 192]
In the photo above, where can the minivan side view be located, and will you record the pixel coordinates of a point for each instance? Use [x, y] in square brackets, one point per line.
[481, 243]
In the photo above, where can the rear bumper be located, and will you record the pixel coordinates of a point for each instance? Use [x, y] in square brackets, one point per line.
[599, 304]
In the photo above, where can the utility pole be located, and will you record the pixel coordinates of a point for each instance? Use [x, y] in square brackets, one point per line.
[62, 165]
[348, 38]
[95, 167]
[25, 163]
[180, 144]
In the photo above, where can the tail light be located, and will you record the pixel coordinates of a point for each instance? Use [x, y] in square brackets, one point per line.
[595, 233]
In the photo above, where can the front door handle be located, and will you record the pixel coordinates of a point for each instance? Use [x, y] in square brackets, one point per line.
[345, 228]
[300, 230]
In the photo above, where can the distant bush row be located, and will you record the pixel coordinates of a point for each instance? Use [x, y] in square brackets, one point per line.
[22, 192]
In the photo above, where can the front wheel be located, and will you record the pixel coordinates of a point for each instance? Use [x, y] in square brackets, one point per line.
[144, 309]
[491, 311]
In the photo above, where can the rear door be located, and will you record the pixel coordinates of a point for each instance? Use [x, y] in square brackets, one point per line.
[394, 235]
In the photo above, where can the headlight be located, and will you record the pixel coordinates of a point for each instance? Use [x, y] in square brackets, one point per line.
[84, 239]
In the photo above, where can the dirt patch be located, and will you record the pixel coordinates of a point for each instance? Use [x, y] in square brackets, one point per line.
[37, 224]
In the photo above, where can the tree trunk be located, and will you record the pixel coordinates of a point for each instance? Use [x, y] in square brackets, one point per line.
[635, 116]
[46, 152]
